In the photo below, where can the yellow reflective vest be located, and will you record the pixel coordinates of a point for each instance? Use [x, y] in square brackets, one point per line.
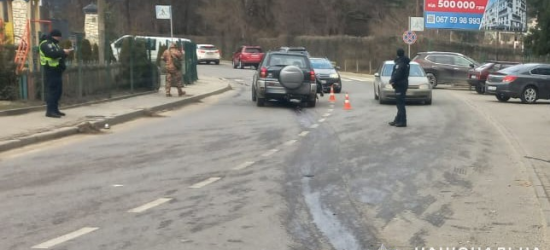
[44, 60]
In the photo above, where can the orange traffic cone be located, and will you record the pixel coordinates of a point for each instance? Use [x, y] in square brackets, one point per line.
[332, 97]
[347, 105]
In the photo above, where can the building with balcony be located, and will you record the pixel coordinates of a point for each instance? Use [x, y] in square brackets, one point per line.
[505, 15]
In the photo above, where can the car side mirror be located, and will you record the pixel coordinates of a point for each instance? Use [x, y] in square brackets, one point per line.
[337, 67]
[376, 74]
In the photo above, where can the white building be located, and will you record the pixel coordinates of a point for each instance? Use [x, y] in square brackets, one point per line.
[506, 15]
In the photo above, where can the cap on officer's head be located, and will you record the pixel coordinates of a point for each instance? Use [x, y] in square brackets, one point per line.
[55, 33]
[400, 52]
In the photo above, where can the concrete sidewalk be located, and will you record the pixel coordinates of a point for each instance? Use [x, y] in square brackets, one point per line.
[33, 127]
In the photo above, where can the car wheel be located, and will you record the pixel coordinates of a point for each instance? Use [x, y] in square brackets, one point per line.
[234, 64]
[502, 98]
[256, 66]
[312, 102]
[217, 62]
[241, 66]
[529, 95]
[376, 97]
[253, 95]
[428, 102]
[260, 102]
[381, 101]
[432, 80]
[291, 77]
[480, 88]
[338, 90]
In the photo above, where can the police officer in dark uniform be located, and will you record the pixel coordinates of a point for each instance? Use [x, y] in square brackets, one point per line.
[52, 59]
[400, 82]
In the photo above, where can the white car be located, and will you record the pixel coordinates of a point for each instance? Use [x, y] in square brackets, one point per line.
[207, 53]
[419, 85]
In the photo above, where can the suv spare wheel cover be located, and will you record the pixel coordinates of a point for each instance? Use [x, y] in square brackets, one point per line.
[291, 77]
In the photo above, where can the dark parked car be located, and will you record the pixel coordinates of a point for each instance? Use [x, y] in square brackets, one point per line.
[284, 76]
[478, 76]
[529, 82]
[247, 56]
[326, 74]
[300, 50]
[445, 67]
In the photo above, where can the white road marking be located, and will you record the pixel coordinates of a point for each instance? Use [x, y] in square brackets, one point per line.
[322, 120]
[288, 143]
[326, 115]
[244, 165]
[149, 205]
[314, 126]
[330, 110]
[206, 182]
[303, 134]
[270, 152]
[118, 185]
[65, 238]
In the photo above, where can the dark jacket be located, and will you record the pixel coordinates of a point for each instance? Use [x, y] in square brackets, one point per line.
[53, 52]
[400, 74]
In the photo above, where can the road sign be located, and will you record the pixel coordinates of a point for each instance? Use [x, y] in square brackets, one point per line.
[409, 37]
[163, 11]
[417, 24]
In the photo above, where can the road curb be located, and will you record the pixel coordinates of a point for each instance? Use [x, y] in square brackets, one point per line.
[21, 111]
[99, 124]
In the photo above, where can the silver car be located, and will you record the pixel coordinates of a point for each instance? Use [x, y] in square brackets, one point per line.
[419, 85]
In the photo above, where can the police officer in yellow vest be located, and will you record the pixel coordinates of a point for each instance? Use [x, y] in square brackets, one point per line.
[52, 59]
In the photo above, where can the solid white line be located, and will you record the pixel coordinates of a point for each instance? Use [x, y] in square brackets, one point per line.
[303, 133]
[322, 120]
[270, 152]
[66, 237]
[206, 182]
[288, 143]
[314, 126]
[244, 165]
[149, 205]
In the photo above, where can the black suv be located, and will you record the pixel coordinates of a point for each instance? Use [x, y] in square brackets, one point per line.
[284, 76]
[445, 67]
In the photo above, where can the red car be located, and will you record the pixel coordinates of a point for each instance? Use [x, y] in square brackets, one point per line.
[478, 76]
[247, 56]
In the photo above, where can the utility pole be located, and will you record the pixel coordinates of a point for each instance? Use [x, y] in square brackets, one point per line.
[101, 28]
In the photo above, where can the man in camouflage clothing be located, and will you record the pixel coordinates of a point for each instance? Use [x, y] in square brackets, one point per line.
[174, 76]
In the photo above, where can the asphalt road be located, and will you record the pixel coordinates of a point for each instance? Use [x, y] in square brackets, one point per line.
[225, 174]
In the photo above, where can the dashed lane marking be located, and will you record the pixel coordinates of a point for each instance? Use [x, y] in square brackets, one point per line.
[244, 165]
[326, 115]
[322, 120]
[303, 134]
[314, 126]
[330, 110]
[65, 238]
[288, 143]
[205, 182]
[270, 152]
[149, 205]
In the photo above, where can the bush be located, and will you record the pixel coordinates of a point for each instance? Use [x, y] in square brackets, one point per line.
[86, 50]
[8, 78]
[134, 54]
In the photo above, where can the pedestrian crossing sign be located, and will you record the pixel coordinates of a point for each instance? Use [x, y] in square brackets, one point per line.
[164, 11]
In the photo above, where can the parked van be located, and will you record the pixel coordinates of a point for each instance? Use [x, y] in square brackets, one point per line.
[154, 44]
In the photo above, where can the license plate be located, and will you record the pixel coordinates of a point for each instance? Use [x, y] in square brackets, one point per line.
[323, 81]
[473, 77]
[492, 88]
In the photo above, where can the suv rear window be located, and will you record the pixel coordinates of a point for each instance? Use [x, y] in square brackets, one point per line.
[253, 50]
[281, 59]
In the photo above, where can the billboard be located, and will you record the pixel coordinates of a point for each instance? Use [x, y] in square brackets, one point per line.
[498, 15]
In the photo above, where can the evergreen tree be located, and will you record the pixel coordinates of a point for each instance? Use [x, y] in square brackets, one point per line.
[86, 50]
[539, 38]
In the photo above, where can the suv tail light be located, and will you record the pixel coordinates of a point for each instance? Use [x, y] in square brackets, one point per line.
[312, 76]
[263, 72]
[201, 51]
[509, 79]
